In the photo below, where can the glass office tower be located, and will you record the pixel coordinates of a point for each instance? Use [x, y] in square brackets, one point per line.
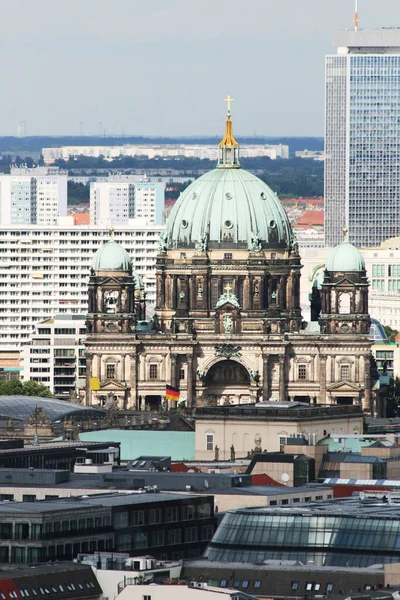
[362, 137]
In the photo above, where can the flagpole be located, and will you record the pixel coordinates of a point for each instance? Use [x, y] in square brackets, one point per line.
[356, 16]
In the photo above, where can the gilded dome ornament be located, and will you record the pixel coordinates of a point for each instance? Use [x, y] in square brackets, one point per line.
[229, 206]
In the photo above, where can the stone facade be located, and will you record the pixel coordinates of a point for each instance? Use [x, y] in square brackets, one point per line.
[228, 331]
[228, 326]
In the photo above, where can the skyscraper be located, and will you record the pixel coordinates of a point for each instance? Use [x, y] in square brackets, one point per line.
[362, 137]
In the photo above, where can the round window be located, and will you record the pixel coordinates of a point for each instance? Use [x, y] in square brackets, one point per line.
[272, 224]
[184, 223]
[228, 224]
[263, 196]
[194, 196]
[345, 328]
[228, 196]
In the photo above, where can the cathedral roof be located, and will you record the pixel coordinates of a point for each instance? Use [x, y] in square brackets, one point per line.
[345, 258]
[111, 257]
[228, 207]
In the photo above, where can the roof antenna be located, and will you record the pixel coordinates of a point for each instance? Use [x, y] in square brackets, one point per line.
[356, 16]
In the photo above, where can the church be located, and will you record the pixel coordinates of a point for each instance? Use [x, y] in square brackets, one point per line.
[227, 327]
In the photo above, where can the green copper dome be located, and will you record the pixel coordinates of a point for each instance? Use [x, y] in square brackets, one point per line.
[228, 208]
[111, 257]
[345, 258]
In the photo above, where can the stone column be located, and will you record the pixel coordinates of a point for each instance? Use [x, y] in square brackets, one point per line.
[322, 379]
[289, 292]
[246, 294]
[266, 390]
[369, 401]
[173, 370]
[189, 403]
[88, 399]
[282, 378]
[133, 381]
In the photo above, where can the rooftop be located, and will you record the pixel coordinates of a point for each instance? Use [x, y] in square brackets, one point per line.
[278, 411]
[348, 507]
[87, 502]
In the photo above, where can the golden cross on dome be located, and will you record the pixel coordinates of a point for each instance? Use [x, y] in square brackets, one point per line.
[228, 289]
[229, 100]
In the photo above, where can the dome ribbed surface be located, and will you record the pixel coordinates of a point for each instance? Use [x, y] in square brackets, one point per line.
[345, 258]
[228, 206]
[111, 257]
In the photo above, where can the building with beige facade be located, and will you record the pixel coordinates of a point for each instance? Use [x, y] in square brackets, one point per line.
[268, 426]
[228, 327]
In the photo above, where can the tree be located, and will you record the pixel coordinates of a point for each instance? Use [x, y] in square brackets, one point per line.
[24, 388]
[391, 333]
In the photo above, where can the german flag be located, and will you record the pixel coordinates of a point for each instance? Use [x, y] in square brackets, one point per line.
[172, 393]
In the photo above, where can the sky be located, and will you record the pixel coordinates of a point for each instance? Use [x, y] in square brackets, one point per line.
[163, 68]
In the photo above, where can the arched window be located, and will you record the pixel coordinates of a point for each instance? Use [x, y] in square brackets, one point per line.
[344, 304]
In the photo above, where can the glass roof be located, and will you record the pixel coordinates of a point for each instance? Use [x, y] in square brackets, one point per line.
[377, 333]
[22, 407]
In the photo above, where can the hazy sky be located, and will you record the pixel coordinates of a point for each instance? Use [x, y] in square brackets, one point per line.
[161, 67]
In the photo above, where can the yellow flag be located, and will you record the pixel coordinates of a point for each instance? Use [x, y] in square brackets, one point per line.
[94, 383]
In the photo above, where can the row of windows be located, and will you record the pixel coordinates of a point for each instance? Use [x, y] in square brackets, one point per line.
[169, 514]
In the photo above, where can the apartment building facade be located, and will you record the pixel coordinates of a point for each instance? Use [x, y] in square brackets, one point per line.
[56, 355]
[33, 196]
[115, 201]
[44, 271]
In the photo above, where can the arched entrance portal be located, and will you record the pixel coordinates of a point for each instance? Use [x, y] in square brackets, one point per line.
[228, 382]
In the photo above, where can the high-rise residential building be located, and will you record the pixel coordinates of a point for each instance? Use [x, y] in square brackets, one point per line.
[56, 355]
[115, 201]
[362, 132]
[33, 196]
[44, 271]
[111, 202]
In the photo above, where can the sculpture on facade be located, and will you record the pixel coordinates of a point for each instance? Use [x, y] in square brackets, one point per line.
[162, 242]
[255, 376]
[254, 245]
[227, 350]
[201, 374]
[233, 455]
[216, 453]
[201, 244]
[228, 323]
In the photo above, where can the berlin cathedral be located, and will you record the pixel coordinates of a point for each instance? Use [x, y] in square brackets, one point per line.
[227, 327]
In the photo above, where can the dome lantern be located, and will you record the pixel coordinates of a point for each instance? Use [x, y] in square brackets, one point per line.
[228, 148]
[111, 257]
[345, 258]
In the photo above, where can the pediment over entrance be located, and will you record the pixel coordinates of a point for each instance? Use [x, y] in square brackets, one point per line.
[112, 385]
[344, 386]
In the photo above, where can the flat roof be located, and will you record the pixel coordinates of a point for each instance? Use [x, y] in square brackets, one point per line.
[276, 411]
[277, 565]
[101, 500]
[385, 38]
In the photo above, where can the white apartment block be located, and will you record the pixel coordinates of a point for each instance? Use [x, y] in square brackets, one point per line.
[56, 355]
[201, 151]
[111, 203]
[33, 196]
[44, 271]
[115, 201]
[383, 269]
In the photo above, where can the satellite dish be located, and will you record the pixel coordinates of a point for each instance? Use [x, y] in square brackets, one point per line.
[285, 478]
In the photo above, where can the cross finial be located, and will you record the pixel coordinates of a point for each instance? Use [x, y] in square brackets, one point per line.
[229, 100]
[228, 289]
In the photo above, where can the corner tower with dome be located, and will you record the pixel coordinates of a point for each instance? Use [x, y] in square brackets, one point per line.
[227, 327]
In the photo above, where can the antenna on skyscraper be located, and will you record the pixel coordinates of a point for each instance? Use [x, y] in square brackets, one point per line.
[356, 16]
